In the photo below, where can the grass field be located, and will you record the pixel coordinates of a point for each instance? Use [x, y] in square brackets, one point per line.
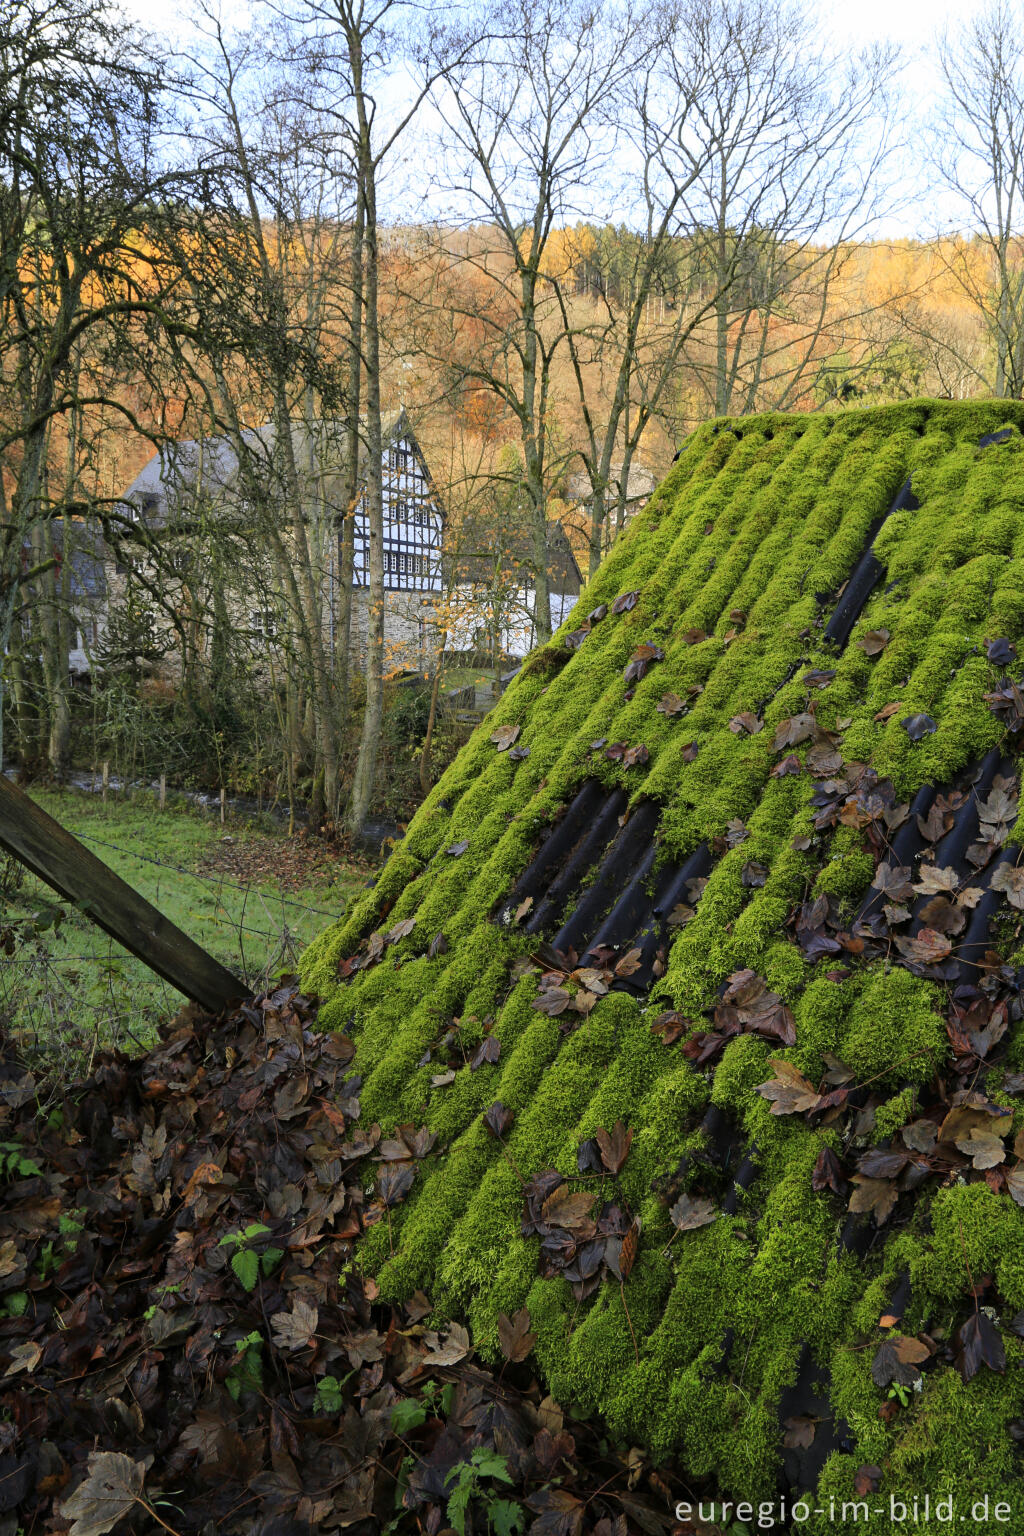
[252, 897]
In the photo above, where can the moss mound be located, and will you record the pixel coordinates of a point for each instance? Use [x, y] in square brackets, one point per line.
[788, 762]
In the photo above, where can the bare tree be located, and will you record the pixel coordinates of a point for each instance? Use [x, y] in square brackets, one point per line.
[360, 48]
[792, 142]
[527, 140]
[978, 149]
[82, 290]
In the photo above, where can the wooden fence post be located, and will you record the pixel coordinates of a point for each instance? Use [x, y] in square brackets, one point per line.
[163, 791]
[52, 854]
[106, 780]
[223, 805]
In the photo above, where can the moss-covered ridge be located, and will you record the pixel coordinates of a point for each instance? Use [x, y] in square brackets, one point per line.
[764, 518]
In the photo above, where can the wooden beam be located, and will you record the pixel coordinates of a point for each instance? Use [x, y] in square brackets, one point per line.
[59, 859]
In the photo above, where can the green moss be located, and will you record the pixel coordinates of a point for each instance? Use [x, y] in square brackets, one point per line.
[748, 540]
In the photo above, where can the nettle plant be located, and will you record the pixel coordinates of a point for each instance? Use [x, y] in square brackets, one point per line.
[246, 1262]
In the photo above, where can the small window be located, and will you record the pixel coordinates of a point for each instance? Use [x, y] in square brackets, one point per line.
[401, 508]
[263, 622]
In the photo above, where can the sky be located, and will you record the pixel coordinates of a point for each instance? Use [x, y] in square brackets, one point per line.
[852, 24]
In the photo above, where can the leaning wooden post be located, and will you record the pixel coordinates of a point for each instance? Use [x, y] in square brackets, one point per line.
[59, 859]
[163, 791]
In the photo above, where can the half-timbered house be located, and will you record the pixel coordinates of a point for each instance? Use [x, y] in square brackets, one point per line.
[419, 581]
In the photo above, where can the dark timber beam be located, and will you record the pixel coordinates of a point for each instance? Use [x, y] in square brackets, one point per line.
[60, 860]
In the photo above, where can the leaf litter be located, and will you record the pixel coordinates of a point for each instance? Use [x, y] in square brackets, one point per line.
[143, 1370]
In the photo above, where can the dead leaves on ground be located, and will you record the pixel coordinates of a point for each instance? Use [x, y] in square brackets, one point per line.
[147, 1368]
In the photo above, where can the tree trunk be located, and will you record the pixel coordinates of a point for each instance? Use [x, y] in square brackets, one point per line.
[373, 714]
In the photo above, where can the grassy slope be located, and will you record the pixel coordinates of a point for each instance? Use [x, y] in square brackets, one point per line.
[762, 519]
[77, 981]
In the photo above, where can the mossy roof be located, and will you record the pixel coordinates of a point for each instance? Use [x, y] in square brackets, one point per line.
[772, 1309]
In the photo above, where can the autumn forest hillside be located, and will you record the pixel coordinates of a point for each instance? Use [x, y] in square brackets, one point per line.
[559, 245]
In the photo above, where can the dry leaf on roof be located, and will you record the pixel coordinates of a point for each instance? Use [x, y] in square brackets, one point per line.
[1009, 879]
[486, 1053]
[670, 704]
[569, 1208]
[498, 1119]
[874, 642]
[893, 880]
[828, 1173]
[642, 658]
[983, 1148]
[745, 724]
[1001, 652]
[689, 1213]
[504, 736]
[919, 726]
[790, 732]
[978, 1343]
[799, 1432]
[295, 1329]
[614, 1145]
[514, 1336]
[936, 880]
[789, 1091]
[897, 1359]
[873, 1197]
[928, 948]
[670, 1025]
[111, 1489]
[455, 1346]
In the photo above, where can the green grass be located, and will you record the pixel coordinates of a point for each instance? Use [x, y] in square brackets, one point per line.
[72, 986]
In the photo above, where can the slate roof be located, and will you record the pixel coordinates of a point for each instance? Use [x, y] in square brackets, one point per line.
[176, 467]
[733, 866]
[516, 555]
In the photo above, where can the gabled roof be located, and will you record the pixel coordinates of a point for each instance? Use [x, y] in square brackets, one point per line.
[752, 814]
[213, 462]
[513, 554]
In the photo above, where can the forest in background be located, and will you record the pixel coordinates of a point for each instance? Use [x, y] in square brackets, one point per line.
[558, 234]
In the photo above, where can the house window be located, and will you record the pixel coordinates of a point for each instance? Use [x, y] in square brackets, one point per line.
[263, 623]
[401, 509]
[388, 567]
